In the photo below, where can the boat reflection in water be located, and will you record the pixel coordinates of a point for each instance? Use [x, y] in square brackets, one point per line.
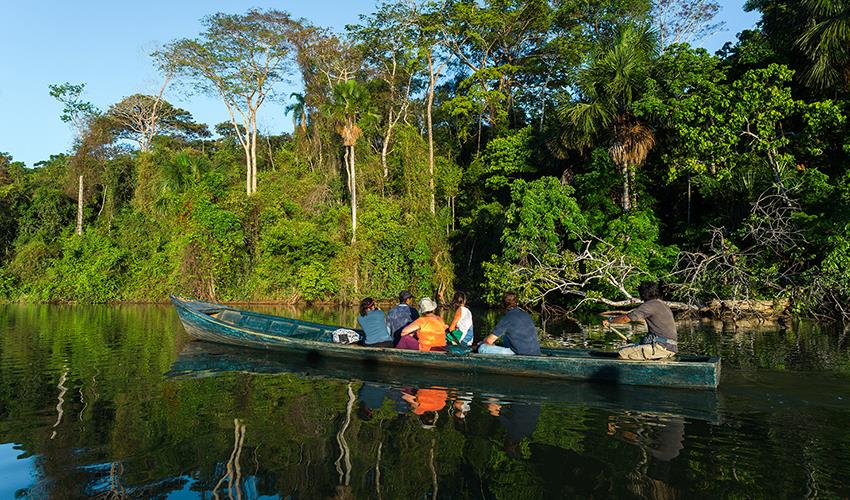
[201, 359]
[649, 421]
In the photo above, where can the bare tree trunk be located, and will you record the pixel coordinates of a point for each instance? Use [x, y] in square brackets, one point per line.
[353, 176]
[153, 119]
[80, 208]
[632, 186]
[543, 100]
[384, 148]
[318, 138]
[430, 122]
[253, 155]
[626, 200]
[271, 154]
[248, 169]
[386, 145]
[478, 146]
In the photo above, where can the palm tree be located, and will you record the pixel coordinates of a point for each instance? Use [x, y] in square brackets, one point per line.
[299, 112]
[607, 89]
[349, 104]
[825, 41]
[177, 176]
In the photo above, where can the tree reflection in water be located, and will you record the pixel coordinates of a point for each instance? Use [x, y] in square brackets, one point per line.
[137, 415]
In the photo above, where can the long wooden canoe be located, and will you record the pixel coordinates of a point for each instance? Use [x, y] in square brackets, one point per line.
[227, 325]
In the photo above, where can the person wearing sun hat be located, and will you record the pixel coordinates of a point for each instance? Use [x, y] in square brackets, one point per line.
[429, 328]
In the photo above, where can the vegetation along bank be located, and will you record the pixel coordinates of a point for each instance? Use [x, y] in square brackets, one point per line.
[564, 150]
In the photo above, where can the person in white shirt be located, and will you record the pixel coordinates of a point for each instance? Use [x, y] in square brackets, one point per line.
[462, 322]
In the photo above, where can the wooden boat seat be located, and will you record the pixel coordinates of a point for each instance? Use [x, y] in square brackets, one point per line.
[231, 317]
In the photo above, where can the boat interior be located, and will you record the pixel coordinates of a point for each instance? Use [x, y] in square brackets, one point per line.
[303, 330]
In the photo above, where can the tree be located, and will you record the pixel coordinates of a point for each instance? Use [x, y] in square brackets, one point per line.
[825, 41]
[684, 21]
[608, 89]
[81, 114]
[241, 58]
[388, 39]
[324, 61]
[13, 196]
[76, 111]
[429, 25]
[299, 112]
[492, 40]
[349, 105]
[139, 118]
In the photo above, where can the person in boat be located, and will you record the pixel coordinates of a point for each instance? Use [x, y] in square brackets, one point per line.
[374, 324]
[401, 315]
[516, 331]
[430, 330]
[661, 339]
[460, 329]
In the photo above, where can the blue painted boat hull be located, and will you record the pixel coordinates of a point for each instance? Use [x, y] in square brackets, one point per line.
[225, 325]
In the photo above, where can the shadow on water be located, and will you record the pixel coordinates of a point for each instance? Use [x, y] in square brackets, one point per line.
[113, 402]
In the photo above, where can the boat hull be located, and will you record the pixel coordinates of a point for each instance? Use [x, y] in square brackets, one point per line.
[225, 325]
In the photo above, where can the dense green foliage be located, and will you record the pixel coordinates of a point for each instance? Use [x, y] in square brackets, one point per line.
[574, 155]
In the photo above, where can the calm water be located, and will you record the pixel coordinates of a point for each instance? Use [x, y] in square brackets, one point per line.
[115, 402]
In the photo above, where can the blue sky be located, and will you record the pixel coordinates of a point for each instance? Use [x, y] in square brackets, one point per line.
[106, 45]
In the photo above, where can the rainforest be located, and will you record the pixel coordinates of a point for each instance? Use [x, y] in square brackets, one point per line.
[565, 150]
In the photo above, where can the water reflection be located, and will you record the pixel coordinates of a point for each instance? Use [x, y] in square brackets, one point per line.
[114, 402]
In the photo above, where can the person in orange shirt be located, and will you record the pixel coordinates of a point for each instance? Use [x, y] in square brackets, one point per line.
[429, 328]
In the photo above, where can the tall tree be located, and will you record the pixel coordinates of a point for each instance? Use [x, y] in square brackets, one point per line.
[298, 108]
[76, 111]
[324, 61]
[684, 21]
[139, 118]
[350, 104]
[241, 58]
[493, 40]
[613, 81]
[81, 115]
[388, 39]
[437, 58]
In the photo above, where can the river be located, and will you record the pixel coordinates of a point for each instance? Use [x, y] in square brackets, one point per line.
[117, 402]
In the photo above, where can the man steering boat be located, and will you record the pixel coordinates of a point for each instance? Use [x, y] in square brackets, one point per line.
[661, 342]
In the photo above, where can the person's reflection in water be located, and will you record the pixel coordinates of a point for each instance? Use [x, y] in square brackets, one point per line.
[519, 421]
[370, 397]
[426, 403]
[658, 436]
[459, 409]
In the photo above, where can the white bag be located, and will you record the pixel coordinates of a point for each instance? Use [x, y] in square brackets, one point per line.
[345, 336]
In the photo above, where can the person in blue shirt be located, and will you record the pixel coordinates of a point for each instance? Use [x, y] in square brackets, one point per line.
[401, 315]
[374, 324]
[516, 330]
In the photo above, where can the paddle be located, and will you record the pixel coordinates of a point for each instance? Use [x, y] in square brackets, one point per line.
[609, 314]
[618, 333]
